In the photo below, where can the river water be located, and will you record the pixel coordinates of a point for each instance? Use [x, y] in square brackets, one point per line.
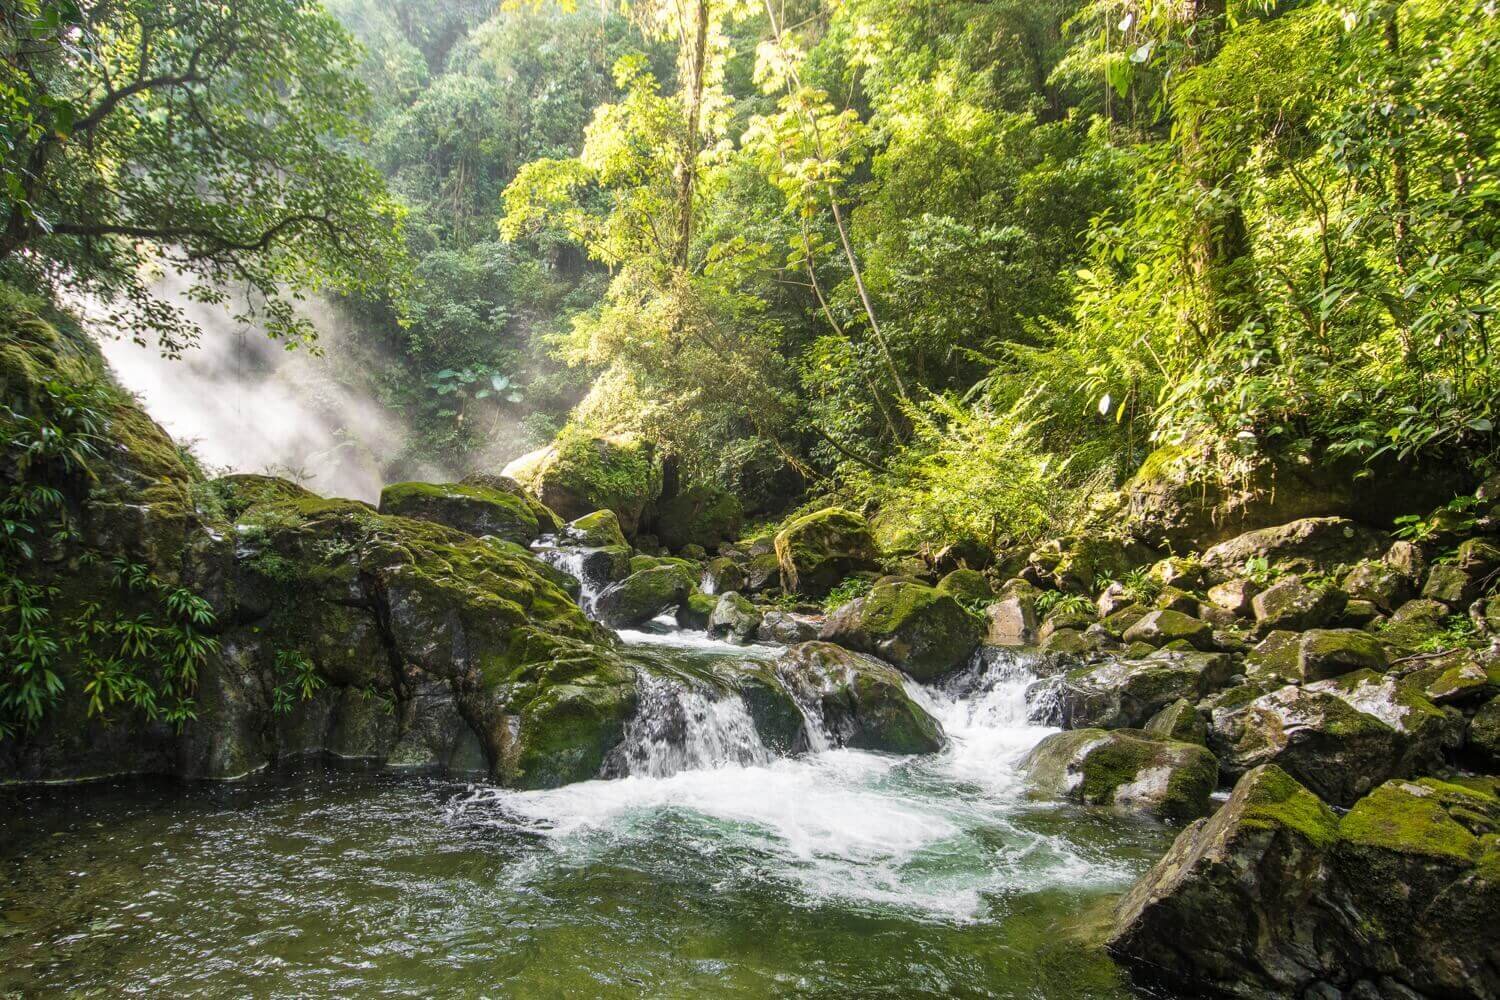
[714, 868]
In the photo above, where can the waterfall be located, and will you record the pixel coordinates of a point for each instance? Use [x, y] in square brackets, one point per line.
[587, 566]
[682, 727]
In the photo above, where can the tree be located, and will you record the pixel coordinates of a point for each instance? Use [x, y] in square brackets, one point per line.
[209, 138]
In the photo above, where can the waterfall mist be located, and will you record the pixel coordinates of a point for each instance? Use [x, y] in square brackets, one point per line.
[245, 403]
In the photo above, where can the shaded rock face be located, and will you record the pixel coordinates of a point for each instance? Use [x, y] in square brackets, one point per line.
[1126, 693]
[1309, 545]
[860, 701]
[699, 515]
[577, 474]
[1169, 504]
[480, 505]
[336, 629]
[1276, 896]
[1128, 770]
[789, 628]
[920, 629]
[817, 551]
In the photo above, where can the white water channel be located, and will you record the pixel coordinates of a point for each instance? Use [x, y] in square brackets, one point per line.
[937, 836]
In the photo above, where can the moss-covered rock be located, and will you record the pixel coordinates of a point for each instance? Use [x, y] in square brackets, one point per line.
[859, 701]
[598, 529]
[1325, 653]
[1235, 595]
[695, 612]
[1179, 721]
[817, 551]
[1312, 544]
[966, 585]
[1226, 910]
[480, 506]
[724, 574]
[1158, 628]
[1484, 734]
[642, 596]
[734, 618]
[1295, 605]
[1458, 677]
[1125, 693]
[920, 629]
[1378, 582]
[1453, 585]
[1129, 770]
[579, 473]
[1414, 623]
[1315, 735]
[700, 515]
[1276, 659]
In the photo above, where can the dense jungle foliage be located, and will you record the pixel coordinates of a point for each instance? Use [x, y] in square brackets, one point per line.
[967, 263]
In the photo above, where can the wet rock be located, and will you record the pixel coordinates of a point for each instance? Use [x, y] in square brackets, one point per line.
[642, 596]
[1125, 693]
[1180, 721]
[860, 701]
[695, 612]
[818, 550]
[789, 628]
[1161, 627]
[1340, 737]
[918, 628]
[1291, 604]
[1128, 770]
[1275, 896]
[480, 505]
[1324, 653]
[734, 618]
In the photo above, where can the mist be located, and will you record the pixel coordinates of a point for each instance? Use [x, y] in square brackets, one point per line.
[245, 403]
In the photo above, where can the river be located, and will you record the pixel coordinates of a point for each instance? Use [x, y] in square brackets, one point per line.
[714, 868]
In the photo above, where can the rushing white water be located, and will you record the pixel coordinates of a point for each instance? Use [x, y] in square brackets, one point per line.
[939, 836]
[681, 727]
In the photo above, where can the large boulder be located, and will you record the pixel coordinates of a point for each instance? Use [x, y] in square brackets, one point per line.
[599, 529]
[1340, 737]
[1012, 619]
[480, 505]
[1325, 653]
[1454, 585]
[1312, 544]
[1174, 499]
[788, 627]
[1126, 769]
[854, 700]
[699, 515]
[817, 551]
[1378, 582]
[1295, 605]
[1180, 721]
[734, 618]
[1158, 628]
[1126, 693]
[579, 473]
[920, 629]
[642, 596]
[1276, 896]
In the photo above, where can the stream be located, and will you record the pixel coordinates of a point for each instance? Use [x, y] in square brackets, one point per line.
[712, 868]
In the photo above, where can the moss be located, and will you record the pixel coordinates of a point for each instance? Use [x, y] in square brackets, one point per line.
[818, 550]
[1412, 819]
[1275, 800]
[1164, 464]
[966, 585]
